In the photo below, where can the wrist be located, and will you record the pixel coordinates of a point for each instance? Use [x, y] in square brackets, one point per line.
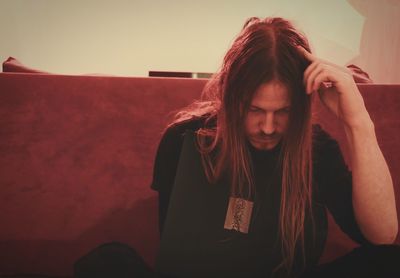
[361, 124]
[361, 128]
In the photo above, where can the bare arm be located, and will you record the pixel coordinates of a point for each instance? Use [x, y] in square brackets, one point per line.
[373, 194]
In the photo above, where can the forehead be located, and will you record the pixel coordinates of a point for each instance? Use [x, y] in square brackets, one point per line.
[271, 96]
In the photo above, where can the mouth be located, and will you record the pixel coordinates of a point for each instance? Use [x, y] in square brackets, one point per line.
[264, 143]
[265, 139]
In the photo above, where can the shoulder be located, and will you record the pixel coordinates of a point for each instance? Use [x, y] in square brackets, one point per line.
[327, 154]
[329, 165]
[169, 150]
[175, 131]
[323, 142]
[321, 136]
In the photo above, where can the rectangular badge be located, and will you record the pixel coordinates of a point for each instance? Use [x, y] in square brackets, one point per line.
[238, 215]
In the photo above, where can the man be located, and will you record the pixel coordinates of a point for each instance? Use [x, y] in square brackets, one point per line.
[265, 174]
[254, 134]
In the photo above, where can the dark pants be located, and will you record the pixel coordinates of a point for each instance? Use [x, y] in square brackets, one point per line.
[117, 260]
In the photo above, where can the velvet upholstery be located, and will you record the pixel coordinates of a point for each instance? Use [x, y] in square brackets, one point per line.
[76, 158]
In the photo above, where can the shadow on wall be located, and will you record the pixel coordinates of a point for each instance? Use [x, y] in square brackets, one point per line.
[380, 40]
[134, 226]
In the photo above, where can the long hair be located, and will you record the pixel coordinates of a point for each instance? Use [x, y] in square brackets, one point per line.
[264, 51]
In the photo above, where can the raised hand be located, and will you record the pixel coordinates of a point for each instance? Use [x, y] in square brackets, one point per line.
[336, 88]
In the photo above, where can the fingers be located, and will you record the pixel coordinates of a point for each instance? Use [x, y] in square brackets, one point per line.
[306, 54]
[312, 58]
[316, 75]
[321, 81]
[322, 76]
[313, 69]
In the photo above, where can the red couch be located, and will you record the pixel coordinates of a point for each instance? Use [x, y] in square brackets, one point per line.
[76, 158]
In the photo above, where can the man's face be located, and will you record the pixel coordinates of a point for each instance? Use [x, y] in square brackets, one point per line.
[268, 115]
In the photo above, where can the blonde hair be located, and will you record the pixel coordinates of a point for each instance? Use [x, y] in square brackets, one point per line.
[264, 51]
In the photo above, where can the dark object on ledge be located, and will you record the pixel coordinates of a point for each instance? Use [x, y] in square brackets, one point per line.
[359, 75]
[180, 74]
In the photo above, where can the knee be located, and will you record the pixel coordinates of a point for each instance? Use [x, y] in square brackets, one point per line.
[379, 249]
[385, 254]
[112, 259]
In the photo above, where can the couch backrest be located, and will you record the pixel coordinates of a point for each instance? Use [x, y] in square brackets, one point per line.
[76, 163]
[76, 158]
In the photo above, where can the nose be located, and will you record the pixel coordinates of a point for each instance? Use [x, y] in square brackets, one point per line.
[268, 124]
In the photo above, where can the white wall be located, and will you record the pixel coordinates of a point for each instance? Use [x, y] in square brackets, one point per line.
[124, 37]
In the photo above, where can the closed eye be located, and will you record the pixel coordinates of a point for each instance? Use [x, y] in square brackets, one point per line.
[255, 109]
[284, 110]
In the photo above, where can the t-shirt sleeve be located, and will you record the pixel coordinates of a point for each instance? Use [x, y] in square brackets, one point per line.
[335, 187]
[166, 163]
[165, 166]
[166, 160]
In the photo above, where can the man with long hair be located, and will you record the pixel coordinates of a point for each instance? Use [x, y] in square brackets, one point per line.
[253, 131]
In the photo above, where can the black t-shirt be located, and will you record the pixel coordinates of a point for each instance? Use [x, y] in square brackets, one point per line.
[332, 189]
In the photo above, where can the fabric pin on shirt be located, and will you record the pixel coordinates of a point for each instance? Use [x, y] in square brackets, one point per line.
[238, 215]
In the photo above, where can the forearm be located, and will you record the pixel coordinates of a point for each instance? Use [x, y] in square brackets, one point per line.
[373, 194]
